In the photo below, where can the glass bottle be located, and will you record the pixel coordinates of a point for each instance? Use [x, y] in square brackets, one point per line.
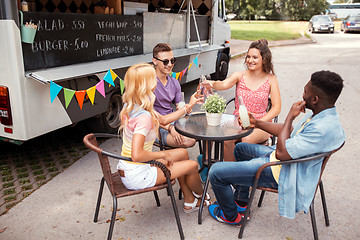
[243, 113]
[24, 6]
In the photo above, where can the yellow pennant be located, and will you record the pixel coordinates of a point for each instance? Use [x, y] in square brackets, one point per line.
[91, 94]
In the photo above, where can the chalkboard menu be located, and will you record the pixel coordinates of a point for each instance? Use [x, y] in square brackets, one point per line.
[67, 38]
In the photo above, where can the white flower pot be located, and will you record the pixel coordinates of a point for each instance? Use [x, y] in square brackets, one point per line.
[213, 119]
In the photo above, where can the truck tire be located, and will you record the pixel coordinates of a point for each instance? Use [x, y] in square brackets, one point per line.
[222, 67]
[109, 121]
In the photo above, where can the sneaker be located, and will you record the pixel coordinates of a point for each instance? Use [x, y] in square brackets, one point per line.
[204, 172]
[239, 209]
[218, 215]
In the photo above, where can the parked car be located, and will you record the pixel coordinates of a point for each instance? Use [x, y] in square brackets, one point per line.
[351, 23]
[332, 15]
[321, 23]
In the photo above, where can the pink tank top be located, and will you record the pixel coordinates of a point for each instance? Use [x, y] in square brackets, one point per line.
[256, 101]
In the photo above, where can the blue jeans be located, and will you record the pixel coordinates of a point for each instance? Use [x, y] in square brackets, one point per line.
[240, 174]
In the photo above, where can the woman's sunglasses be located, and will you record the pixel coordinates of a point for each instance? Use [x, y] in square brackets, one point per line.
[166, 61]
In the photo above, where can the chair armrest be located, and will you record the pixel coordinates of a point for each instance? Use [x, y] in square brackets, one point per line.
[228, 102]
[297, 160]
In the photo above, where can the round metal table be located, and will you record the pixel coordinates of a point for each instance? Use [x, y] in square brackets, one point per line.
[195, 126]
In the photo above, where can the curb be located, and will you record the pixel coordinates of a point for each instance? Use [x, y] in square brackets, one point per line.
[289, 43]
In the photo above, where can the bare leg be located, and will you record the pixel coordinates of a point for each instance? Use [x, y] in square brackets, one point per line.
[257, 136]
[229, 150]
[186, 171]
[188, 142]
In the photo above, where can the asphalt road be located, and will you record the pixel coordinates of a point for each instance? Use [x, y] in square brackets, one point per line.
[63, 208]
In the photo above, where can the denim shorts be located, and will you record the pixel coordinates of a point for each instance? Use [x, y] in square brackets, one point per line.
[163, 135]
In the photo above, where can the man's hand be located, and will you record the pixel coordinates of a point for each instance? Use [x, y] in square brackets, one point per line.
[178, 138]
[197, 97]
[251, 119]
[296, 108]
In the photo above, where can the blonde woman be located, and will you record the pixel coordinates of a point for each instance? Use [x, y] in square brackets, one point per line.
[139, 125]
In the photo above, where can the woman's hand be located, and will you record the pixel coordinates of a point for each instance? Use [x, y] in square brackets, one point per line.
[207, 87]
[167, 158]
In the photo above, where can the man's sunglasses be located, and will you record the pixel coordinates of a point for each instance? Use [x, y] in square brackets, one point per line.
[166, 61]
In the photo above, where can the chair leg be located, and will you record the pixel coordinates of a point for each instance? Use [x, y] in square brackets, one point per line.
[261, 198]
[99, 199]
[180, 194]
[323, 200]
[313, 220]
[113, 215]
[157, 198]
[247, 212]
[176, 212]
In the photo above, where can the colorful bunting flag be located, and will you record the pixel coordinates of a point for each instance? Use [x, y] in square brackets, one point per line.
[122, 86]
[196, 61]
[54, 90]
[91, 94]
[100, 87]
[68, 94]
[80, 95]
[108, 78]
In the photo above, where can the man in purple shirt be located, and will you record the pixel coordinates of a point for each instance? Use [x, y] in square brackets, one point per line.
[168, 94]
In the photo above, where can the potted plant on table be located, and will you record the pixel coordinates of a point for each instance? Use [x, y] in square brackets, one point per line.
[214, 107]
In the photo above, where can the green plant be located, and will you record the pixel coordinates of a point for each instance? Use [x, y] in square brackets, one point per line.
[214, 104]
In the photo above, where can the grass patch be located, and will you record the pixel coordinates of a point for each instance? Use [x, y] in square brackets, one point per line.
[27, 187]
[10, 198]
[270, 30]
[9, 191]
[9, 184]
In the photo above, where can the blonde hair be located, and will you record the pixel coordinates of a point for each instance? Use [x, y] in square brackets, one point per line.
[140, 81]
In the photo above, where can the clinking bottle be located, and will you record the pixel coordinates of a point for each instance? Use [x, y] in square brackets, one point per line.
[243, 113]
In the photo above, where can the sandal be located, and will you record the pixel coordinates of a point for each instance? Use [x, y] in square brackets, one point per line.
[194, 206]
[208, 197]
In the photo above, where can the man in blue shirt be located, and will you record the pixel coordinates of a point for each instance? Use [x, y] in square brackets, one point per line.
[319, 131]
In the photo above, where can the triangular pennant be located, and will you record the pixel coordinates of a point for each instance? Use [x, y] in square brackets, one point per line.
[122, 86]
[100, 87]
[177, 76]
[54, 90]
[108, 78]
[190, 65]
[68, 94]
[80, 95]
[173, 74]
[91, 94]
[196, 61]
[184, 71]
[180, 76]
[113, 74]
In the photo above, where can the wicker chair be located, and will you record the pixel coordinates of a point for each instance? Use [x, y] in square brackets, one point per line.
[117, 188]
[255, 186]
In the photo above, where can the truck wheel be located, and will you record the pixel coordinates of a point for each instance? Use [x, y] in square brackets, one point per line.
[222, 67]
[109, 121]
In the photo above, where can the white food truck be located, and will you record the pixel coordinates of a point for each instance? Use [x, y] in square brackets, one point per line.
[56, 79]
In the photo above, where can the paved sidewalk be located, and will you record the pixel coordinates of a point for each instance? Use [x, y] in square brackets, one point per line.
[63, 209]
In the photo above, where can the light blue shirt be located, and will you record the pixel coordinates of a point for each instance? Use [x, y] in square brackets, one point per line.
[297, 182]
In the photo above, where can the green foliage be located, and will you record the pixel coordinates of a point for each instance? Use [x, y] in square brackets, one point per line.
[271, 30]
[214, 104]
[294, 10]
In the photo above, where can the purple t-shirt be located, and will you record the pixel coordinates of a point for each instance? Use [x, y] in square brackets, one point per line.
[167, 95]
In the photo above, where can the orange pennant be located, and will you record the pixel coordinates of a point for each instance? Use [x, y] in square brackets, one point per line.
[80, 95]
